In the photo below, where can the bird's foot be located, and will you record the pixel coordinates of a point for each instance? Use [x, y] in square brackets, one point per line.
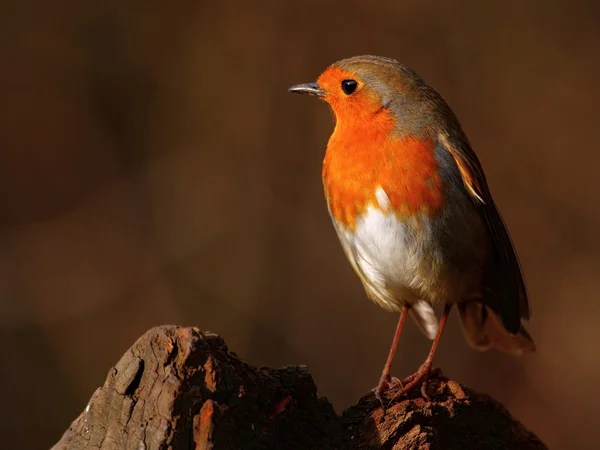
[421, 376]
[385, 383]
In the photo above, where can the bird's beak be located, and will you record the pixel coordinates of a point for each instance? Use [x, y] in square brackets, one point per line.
[308, 88]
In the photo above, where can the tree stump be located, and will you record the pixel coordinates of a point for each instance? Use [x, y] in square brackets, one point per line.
[181, 388]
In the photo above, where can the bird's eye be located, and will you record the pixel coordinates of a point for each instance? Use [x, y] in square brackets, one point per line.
[349, 86]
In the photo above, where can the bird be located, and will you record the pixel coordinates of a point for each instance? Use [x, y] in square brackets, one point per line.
[414, 214]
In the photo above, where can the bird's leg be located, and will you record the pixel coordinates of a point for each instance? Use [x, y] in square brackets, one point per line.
[422, 374]
[386, 381]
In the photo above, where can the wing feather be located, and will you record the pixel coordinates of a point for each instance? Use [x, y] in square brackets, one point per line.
[509, 294]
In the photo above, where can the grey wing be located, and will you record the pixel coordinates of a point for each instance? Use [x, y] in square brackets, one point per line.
[508, 296]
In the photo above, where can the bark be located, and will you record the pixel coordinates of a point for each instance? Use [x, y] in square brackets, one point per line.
[181, 388]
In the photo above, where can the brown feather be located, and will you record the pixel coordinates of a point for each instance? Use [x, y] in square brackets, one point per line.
[507, 294]
[483, 331]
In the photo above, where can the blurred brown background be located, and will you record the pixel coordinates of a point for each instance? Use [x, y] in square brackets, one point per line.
[154, 170]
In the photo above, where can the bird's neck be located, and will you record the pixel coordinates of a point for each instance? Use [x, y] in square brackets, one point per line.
[363, 156]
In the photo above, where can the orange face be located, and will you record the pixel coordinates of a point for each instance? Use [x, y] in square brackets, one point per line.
[362, 101]
[365, 153]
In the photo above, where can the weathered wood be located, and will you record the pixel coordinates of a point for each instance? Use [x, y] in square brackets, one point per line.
[181, 388]
[455, 418]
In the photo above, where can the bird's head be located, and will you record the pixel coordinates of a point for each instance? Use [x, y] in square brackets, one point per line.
[370, 90]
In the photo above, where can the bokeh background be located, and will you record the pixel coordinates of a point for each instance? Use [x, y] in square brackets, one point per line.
[155, 170]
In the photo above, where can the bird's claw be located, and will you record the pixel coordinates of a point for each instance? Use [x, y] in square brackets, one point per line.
[422, 376]
[385, 384]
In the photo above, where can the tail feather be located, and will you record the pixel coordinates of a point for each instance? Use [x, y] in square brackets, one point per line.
[483, 330]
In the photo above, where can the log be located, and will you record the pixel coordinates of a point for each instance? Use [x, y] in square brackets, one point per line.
[181, 388]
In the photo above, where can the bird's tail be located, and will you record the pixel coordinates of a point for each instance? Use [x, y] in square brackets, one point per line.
[483, 330]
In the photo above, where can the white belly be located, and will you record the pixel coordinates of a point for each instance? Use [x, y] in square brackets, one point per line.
[418, 261]
[436, 260]
[396, 266]
[393, 261]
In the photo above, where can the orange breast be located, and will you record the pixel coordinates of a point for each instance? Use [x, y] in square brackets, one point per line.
[364, 155]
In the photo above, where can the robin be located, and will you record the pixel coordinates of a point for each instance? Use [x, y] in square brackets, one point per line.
[413, 211]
